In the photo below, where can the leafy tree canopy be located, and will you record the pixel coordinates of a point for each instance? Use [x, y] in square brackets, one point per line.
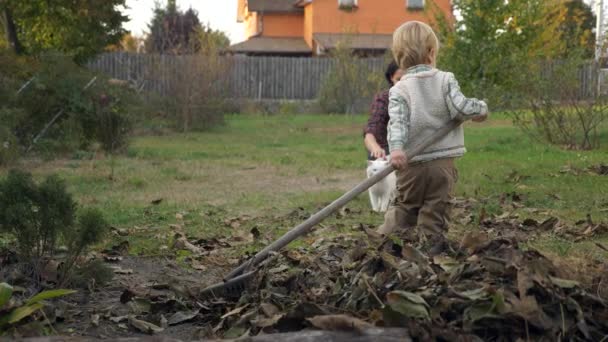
[81, 28]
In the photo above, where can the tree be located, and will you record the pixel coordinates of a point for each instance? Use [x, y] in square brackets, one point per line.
[210, 37]
[349, 82]
[128, 43]
[81, 28]
[497, 43]
[577, 28]
[173, 31]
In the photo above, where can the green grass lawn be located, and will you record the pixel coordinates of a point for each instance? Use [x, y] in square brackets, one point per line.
[267, 166]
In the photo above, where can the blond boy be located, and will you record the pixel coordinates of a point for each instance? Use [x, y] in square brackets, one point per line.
[424, 100]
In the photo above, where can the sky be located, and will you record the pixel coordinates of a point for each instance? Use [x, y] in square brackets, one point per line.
[219, 14]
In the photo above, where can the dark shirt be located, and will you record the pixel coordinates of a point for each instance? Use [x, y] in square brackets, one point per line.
[378, 120]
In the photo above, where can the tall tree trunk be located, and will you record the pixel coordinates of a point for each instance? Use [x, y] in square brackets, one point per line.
[11, 32]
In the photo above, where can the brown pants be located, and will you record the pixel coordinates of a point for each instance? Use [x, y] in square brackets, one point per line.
[423, 198]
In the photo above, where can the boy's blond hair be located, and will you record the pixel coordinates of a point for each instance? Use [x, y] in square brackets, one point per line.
[413, 44]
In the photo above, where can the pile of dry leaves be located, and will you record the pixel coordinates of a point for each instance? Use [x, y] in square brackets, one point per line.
[484, 287]
[480, 290]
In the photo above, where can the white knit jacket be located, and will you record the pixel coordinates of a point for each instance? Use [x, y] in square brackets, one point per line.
[424, 100]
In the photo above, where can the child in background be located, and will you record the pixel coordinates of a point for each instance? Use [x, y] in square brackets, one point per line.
[423, 101]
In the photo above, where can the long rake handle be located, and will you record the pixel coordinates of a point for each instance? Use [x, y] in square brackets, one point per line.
[307, 225]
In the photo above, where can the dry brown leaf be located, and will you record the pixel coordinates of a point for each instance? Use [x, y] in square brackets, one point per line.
[339, 323]
[472, 240]
[182, 243]
[267, 322]
[145, 327]
[235, 311]
[269, 309]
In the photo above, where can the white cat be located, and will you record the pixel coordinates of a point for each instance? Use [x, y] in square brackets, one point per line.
[380, 194]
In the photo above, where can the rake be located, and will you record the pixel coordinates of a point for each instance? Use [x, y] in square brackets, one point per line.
[237, 280]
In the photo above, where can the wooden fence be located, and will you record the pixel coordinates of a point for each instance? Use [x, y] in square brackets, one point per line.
[247, 77]
[295, 78]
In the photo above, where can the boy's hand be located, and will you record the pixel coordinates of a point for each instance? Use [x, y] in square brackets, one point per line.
[398, 159]
[480, 118]
[378, 153]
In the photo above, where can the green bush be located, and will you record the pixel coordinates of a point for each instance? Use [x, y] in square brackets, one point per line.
[102, 113]
[558, 111]
[350, 84]
[42, 216]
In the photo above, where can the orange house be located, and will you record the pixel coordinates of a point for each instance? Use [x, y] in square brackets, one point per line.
[314, 27]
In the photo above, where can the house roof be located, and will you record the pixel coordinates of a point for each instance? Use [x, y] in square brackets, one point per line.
[355, 41]
[282, 6]
[272, 45]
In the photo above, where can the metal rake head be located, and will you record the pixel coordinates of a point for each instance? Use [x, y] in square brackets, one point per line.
[232, 288]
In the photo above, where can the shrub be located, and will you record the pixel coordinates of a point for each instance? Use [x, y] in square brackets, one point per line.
[100, 113]
[195, 88]
[559, 111]
[40, 216]
[34, 214]
[92, 273]
[349, 85]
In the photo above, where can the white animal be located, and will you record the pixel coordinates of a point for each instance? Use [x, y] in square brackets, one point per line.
[380, 194]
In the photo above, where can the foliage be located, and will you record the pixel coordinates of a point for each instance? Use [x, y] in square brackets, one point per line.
[35, 214]
[496, 44]
[196, 89]
[128, 43]
[577, 28]
[12, 312]
[40, 216]
[348, 83]
[101, 113]
[559, 111]
[173, 31]
[80, 28]
[91, 274]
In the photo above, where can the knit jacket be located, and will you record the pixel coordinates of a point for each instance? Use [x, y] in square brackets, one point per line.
[423, 101]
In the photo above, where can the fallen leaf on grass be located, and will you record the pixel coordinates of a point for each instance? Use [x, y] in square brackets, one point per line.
[339, 323]
[145, 327]
[235, 311]
[119, 231]
[267, 322]
[472, 240]
[182, 243]
[182, 316]
[408, 304]
[95, 320]
[118, 319]
[564, 283]
[198, 266]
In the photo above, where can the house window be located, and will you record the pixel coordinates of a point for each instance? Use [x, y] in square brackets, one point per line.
[415, 4]
[347, 4]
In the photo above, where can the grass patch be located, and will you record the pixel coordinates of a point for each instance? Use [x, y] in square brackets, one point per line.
[268, 166]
